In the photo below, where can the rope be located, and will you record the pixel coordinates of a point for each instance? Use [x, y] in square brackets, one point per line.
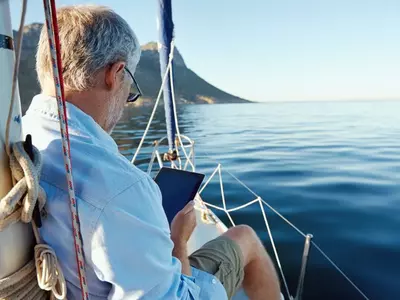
[301, 233]
[26, 173]
[174, 107]
[44, 271]
[227, 212]
[49, 274]
[169, 72]
[254, 194]
[49, 277]
[23, 284]
[153, 112]
[11, 287]
[339, 270]
[262, 201]
[274, 248]
[15, 74]
[55, 51]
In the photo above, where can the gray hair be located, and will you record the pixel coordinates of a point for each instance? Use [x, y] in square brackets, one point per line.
[91, 38]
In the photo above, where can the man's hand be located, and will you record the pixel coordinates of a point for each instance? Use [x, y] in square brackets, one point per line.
[182, 227]
[183, 224]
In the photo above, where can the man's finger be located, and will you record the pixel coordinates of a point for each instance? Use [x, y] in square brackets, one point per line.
[188, 208]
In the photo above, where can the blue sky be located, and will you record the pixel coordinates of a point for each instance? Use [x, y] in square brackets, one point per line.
[282, 50]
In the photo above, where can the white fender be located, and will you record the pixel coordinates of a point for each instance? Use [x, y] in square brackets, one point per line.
[16, 241]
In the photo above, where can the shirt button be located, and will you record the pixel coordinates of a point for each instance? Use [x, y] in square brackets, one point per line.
[214, 281]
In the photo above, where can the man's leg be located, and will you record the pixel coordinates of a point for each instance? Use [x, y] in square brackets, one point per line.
[260, 278]
[238, 258]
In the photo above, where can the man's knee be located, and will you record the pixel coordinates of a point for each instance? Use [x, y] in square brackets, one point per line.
[242, 232]
[247, 239]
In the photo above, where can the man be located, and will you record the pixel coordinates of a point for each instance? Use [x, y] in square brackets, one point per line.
[130, 250]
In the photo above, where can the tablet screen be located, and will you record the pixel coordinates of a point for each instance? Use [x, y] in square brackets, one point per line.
[177, 188]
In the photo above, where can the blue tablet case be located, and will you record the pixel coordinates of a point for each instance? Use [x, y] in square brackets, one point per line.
[177, 187]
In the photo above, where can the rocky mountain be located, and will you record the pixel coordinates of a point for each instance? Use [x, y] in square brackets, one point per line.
[189, 87]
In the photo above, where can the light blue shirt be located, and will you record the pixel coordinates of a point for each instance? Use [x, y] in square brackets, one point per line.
[126, 235]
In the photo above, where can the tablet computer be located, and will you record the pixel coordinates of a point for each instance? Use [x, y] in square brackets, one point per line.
[177, 187]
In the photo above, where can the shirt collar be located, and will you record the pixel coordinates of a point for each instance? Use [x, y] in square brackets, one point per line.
[78, 121]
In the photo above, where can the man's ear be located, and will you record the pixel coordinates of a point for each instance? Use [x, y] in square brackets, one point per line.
[113, 74]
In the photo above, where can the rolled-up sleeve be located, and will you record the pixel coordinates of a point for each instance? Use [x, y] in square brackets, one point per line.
[132, 250]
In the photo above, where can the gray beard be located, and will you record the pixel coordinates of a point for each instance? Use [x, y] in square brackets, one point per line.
[114, 114]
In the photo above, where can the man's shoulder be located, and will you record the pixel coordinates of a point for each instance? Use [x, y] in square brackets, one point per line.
[99, 174]
[99, 171]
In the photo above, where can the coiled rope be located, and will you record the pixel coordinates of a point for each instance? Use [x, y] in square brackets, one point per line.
[18, 205]
[43, 273]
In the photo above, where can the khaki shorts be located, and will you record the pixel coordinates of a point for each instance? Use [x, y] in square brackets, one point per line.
[222, 258]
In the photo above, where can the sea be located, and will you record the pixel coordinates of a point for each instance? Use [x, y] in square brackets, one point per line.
[330, 168]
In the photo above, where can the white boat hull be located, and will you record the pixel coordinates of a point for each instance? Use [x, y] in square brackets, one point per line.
[209, 226]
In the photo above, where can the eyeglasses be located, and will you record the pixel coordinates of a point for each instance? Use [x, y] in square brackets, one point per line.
[135, 91]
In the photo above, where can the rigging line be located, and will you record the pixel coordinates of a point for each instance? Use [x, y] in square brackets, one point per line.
[237, 179]
[223, 197]
[15, 75]
[209, 179]
[213, 206]
[283, 218]
[174, 105]
[55, 52]
[339, 270]
[153, 112]
[232, 209]
[263, 201]
[187, 162]
[295, 228]
[274, 248]
[243, 206]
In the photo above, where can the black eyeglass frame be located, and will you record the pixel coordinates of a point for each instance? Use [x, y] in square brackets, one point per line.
[133, 97]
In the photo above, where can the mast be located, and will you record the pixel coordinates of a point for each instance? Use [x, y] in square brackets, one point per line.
[16, 241]
[166, 34]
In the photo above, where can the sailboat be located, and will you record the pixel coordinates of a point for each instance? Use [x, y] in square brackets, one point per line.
[16, 238]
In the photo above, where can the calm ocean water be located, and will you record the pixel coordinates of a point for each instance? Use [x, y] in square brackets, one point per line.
[333, 169]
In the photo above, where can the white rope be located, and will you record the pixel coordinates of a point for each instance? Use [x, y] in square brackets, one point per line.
[22, 285]
[277, 213]
[258, 199]
[339, 270]
[168, 71]
[243, 206]
[159, 159]
[15, 75]
[284, 219]
[190, 157]
[231, 209]
[44, 271]
[209, 178]
[223, 197]
[174, 108]
[214, 206]
[153, 112]
[274, 248]
[49, 274]
[257, 196]
[303, 234]
[153, 157]
[27, 174]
